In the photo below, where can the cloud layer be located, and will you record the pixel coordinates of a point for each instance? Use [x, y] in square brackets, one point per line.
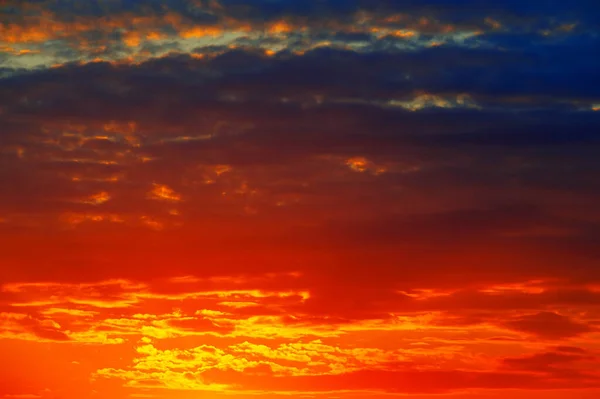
[316, 199]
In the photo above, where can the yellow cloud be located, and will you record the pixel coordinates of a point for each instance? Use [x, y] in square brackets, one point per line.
[164, 193]
[97, 199]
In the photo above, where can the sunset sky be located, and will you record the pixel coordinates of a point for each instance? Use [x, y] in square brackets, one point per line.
[264, 199]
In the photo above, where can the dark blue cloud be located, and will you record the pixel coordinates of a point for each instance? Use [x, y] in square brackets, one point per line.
[290, 118]
[456, 11]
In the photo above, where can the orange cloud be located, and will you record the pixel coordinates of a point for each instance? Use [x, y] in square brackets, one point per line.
[196, 32]
[164, 193]
[279, 27]
[265, 217]
[97, 199]
[132, 39]
[362, 164]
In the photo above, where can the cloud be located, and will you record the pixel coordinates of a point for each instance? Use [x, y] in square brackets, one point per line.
[324, 198]
[560, 364]
[390, 381]
[318, 367]
[137, 143]
[22, 326]
[549, 325]
[546, 361]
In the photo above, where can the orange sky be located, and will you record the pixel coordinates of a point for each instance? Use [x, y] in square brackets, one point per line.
[289, 199]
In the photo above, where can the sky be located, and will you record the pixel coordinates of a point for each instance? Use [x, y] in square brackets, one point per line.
[329, 199]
